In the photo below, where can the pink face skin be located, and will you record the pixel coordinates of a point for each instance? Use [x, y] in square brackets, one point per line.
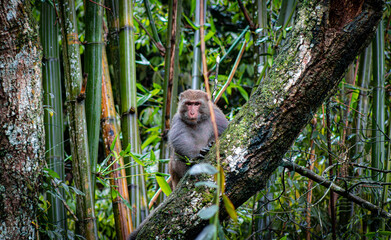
[193, 109]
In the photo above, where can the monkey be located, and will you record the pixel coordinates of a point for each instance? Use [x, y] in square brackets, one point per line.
[191, 131]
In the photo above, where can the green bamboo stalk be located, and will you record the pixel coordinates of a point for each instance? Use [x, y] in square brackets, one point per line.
[113, 45]
[278, 42]
[54, 132]
[86, 225]
[151, 21]
[287, 7]
[93, 73]
[364, 77]
[129, 124]
[378, 118]
[261, 49]
[196, 77]
[379, 88]
[360, 121]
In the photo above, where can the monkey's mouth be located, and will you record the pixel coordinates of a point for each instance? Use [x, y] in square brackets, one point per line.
[191, 120]
[192, 117]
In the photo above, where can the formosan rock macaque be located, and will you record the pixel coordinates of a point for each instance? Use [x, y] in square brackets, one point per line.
[191, 130]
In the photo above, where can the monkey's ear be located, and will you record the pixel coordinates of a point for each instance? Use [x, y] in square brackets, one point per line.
[180, 96]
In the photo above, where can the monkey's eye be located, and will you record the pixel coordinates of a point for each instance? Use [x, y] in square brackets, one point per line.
[197, 103]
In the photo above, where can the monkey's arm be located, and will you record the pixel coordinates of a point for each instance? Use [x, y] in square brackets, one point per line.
[221, 120]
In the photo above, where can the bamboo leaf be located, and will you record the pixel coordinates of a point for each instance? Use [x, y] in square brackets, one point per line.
[65, 187]
[190, 22]
[149, 140]
[209, 212]
[52, 173]
[230, 208]
[206, 184]
[143, 99]
[144, 61]
[202, 168]
[136, 159]
[222, 179]
[77, 191]
[113, 143]
[209, 35]
[207, 233]
[163, 184]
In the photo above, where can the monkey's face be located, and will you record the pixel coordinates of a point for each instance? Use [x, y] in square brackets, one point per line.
[193, 111]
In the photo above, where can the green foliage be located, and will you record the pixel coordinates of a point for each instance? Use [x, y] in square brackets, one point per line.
[104, 214]
[52, 185]
[282, 206]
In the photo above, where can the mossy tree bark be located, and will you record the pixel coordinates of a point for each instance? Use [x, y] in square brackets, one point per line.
[326, 38]
[21, 120]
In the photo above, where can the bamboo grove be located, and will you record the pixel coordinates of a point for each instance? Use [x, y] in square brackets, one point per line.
[111, 74]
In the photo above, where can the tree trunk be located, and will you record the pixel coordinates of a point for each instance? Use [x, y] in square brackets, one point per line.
[326, 38]
[21, 120]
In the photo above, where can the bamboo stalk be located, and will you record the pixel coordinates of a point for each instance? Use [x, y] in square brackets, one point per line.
[378, 122]
[129, 124]
[77, 122]
[170, 80]
[332, 194]
[113, 46]
[93, 73]
[364, 77]
[151, 21]
[310, 182]
[378, 119]
[54, 132]
[110, 133]
[196, 77]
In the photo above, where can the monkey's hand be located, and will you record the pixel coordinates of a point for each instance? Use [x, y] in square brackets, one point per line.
[205, 150]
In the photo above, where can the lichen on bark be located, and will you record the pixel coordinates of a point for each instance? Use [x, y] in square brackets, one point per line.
[21, 124]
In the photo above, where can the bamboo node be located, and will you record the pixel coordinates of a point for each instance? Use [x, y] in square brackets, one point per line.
[128, 28]
[72, 38]
[87, 43]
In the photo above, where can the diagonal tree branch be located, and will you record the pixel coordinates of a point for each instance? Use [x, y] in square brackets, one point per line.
[311, 64]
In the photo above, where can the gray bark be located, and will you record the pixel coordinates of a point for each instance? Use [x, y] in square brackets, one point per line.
[326, 38]
[21, 120]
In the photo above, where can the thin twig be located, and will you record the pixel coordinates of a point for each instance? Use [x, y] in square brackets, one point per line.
[159, 46]
[100, 5]
[61, 199]
[370, 168]
[231, 75]
[246, 15]
[337, 189]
